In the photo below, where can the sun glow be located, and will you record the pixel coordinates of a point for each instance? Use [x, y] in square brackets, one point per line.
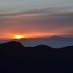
[18, 36]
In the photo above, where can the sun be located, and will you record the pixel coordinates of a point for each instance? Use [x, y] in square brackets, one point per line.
[18, 36]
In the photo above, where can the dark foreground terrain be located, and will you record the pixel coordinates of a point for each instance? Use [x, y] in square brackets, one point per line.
[15, 58]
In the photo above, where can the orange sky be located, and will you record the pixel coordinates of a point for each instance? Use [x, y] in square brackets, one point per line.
[33, 24]
[31, 35]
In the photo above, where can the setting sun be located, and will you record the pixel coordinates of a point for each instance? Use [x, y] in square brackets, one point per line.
[19, 36]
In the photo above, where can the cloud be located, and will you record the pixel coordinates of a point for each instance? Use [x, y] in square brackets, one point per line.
[13, 12]
[47, 20]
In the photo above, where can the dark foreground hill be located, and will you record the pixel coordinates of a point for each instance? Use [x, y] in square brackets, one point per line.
[15, 58]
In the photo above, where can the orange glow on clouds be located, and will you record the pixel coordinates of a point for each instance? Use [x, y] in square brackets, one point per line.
[30, 35]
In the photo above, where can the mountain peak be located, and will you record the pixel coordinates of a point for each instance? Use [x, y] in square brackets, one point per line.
[13, 44]
[56, 37]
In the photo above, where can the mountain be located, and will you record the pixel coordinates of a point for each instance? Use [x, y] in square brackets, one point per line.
[12, 44]
[15, 58]
[58, 38]
[54, 41]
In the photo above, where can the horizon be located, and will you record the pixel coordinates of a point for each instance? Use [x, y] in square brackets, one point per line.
[44, 37]
[53, 41]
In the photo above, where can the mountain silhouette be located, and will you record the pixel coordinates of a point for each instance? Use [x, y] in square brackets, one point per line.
[15, 58]
[12, 45]
[56, 37]
[54, 41]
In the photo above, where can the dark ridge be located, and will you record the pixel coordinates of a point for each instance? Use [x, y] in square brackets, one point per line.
[12, 44]
[39, 46]
[15, 58]
[44, 47]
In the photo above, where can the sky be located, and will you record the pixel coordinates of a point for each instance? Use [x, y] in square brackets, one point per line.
[36, 18]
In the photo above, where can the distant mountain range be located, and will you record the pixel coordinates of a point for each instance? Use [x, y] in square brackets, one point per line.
[58, 38]
[53, 38]
[54, 41]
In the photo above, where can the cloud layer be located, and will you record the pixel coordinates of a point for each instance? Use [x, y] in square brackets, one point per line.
[45, 21]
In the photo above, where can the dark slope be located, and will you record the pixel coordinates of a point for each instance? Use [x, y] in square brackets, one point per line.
[15, 58]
